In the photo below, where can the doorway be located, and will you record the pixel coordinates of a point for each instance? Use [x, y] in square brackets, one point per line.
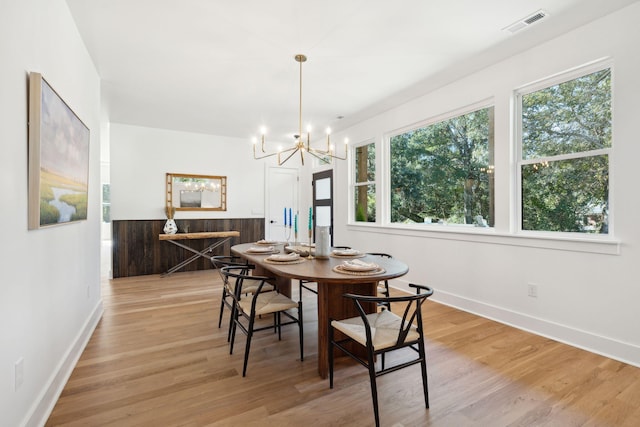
[282, 191]
[322, 184]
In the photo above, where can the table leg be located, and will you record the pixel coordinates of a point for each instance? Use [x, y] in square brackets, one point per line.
[198, 254]
[331, 305]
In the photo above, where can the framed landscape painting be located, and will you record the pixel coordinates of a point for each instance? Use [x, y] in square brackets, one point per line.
[58, 158]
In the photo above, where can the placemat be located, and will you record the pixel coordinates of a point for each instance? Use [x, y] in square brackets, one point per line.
[360, 255]
[275, 251]
[295, 261]
[340, 269]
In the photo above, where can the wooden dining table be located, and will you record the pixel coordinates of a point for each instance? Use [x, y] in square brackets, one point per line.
[332, 285]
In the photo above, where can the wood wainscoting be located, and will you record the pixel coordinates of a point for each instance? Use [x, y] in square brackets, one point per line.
[136, 250]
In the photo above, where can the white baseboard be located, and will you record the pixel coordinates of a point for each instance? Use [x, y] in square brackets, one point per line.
[605, 346]
[44, 404]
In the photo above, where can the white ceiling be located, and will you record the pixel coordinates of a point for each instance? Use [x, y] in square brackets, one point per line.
[226, 67]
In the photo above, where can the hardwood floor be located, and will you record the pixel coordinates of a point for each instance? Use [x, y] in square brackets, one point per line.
[157, 358]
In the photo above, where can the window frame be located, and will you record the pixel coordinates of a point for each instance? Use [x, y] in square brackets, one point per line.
[519, 161]
[451, 227]
[353, 183]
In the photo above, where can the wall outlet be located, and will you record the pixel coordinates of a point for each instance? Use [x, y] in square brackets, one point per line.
[19, 373]
[532, 290]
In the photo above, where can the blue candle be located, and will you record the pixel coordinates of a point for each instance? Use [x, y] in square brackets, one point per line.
[295, 223]
[290, 223]
[310, 217]
[285, 217]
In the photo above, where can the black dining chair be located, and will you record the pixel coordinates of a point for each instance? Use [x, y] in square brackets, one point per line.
[221, 261]
[381, 332]
[259, 303]
[383, 287]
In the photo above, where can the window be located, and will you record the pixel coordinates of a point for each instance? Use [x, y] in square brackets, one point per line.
[106, 203]
[564, 155]
[365, 187]
[443, 172]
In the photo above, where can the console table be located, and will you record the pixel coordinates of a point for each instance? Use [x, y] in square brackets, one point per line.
[177, 239]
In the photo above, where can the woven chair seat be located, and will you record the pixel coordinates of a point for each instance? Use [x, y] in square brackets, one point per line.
[268, 302]
[385, 327]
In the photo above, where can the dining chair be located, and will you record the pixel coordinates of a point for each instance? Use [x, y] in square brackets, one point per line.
[381, 332]
[259, 303]
[303, 283]
[383, 287]
[219, 262]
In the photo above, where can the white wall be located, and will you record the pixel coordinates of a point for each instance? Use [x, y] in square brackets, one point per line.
[49, 278]
[141, 156]
[588, 292]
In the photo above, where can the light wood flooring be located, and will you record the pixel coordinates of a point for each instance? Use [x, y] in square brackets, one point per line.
[157, 358]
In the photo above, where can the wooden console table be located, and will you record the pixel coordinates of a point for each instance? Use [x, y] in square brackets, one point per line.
[176, 240]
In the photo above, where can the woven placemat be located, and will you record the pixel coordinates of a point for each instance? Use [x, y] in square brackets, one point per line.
[275, 251]
[339, 269]
[347, 256]
[271, 243]
[295, 261]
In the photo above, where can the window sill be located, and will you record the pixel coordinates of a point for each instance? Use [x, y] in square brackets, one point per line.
[563, 242]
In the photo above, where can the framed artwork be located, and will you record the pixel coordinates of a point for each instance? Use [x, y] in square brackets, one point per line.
[58, 158]
[196, 192]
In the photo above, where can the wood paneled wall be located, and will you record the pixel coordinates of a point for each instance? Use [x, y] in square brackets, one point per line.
[137, 251]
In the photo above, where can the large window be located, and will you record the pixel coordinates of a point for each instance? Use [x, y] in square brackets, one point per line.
[364, 187]
[564, 155]
[443, 172]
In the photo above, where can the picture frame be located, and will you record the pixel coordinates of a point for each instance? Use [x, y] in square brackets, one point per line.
[187, 192]
[58, 158]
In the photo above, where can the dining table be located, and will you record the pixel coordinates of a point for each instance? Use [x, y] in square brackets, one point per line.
[333, 282]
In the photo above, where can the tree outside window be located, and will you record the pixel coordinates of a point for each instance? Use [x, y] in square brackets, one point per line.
[565, 148]
[443, 172]
[365, 188]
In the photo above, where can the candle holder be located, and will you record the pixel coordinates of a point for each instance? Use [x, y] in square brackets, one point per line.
[287, 234]
[310, 235]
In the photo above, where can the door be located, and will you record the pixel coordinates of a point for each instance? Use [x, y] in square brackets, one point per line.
[323, 200]
[282, 193]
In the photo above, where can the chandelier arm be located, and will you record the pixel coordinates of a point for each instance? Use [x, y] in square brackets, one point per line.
[293, 151]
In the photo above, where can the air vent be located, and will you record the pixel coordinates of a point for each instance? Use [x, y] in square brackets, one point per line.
[525, 22]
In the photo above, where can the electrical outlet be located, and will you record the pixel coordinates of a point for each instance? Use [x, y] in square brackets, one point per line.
[19, 373]
[532, 290]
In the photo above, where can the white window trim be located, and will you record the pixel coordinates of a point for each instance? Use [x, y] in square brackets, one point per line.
[518, 161]
[353, 183]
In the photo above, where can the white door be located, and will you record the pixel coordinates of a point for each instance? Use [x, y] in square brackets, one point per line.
[282, 193]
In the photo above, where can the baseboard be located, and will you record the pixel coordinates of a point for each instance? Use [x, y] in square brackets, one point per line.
[605, 346]
[45, 403]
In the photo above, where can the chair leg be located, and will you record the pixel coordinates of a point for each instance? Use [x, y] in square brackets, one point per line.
[301, 330]
[423, 368]
[247, 347]
[330, 355]
[374, 388]
[233, 326]
[279, 326]
[224, 295]
[231, 320]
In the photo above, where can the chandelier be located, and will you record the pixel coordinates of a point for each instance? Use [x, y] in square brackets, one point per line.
[300, 146]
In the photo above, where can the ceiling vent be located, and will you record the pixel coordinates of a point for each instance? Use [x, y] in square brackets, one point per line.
[525, 22]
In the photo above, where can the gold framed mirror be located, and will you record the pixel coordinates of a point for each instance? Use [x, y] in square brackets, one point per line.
[196, 192]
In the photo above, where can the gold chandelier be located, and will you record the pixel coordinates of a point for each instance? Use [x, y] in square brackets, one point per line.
[299, 146]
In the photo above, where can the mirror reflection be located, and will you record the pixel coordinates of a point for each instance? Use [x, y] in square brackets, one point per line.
[196, 192]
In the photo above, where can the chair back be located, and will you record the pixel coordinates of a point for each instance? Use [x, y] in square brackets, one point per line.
[240, 274]
[221, 261]
[411, 316]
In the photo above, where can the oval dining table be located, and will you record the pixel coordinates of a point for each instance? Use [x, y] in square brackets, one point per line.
[332, 285]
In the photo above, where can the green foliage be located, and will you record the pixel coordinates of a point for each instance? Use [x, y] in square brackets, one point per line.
[439, 171]
[49, 214]
[559, 194]
[79, 201]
